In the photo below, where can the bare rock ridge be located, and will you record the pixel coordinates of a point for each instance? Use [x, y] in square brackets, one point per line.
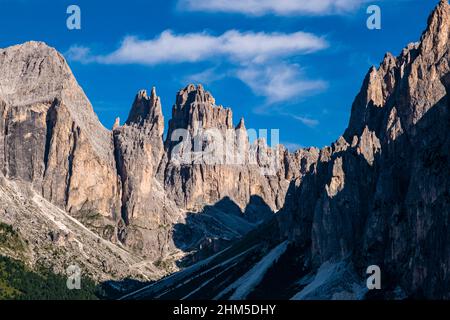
[127, 178]
[194, 111]
[195, 106]
[159, 192]
[147, 215]
[51, 138]
[50, 133]
[380, 194]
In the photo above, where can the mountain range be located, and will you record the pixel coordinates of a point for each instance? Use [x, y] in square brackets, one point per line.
[121, 205]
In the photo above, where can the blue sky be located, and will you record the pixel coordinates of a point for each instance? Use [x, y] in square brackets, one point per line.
[293, 65]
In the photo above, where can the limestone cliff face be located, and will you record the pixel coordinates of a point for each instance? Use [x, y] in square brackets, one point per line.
[138, 148]
[51, 138]
[380, 194]
[190, 180]
[50, 134]
[148, 215]
[48, 236]
[237, 170]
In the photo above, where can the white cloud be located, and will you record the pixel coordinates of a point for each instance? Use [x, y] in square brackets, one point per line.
[166, 48]
[257, 59]
[307, 121]
[279, 82]
[79, 53]
[193, 47]
[207, 76]
[277, 7]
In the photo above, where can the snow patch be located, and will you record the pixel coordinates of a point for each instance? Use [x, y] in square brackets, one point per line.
[245, 284]
[333, 281]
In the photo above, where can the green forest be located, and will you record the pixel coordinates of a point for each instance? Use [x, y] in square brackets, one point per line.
[18, 282]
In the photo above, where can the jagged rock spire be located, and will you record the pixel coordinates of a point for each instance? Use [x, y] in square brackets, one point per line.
[195, 107]
[420, 90]
[241, 124]
[193, 94]
[145, 108]
[116, 123]
[437, 34]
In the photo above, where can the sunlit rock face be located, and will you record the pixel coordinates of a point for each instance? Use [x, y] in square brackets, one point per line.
[379, 195]
[51, 138]
[50, 134]
[237, 170]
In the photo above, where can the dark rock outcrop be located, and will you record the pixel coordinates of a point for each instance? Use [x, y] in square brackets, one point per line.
[380, 195]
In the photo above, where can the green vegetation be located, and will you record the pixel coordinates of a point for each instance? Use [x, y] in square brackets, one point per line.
[10, 239]
[17, 281]
[164, 264]
[97, 223]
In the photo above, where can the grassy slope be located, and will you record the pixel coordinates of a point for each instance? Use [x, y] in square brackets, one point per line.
[18, 281]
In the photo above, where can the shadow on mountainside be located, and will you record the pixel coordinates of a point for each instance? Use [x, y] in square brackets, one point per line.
[378, 217]
[217, 227]
[205, 233]
[367, 223]
[393, 213]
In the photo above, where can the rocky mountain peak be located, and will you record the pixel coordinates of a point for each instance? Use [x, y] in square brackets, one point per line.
[143, 128]
[32, 72]
[241, 124]
[193, 94]
[57, 132]
[196, 108]
[378, 195]
[436, 35]
[146, 109]
[116, 123]
[386, 175]
[389, 62]
[404, 83]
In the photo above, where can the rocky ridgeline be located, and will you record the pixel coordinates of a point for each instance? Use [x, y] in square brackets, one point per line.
[51, 138]
[50, 135]
[380, 194]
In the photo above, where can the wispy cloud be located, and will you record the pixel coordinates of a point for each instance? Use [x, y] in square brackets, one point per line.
[80, 53]
[256, 58]
[194, 47]
[276, 7]
[279, 82]
[307, 121]
[207, 76]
